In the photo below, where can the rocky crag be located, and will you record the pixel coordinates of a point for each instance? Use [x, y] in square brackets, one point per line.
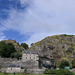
[16, 44]
[58, 47]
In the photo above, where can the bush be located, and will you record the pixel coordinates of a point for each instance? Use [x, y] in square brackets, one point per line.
[73, 63]
[0, 67]
[16, 55]
[63, 64]
[58, 72]
[24, 45]
[25, 70]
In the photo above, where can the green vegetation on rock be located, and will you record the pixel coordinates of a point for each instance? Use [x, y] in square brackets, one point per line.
[24, 45]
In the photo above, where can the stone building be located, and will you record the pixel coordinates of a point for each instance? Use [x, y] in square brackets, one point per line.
[33, 59]
[30, 59]
[13, 68]
[30, 55]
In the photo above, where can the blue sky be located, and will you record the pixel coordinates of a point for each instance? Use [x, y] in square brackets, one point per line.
[32, 20]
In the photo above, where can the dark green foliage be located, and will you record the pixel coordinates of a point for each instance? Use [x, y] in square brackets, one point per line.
[63, 64]
[25, 70]
[73, 63]
[6, 49]
[16, 55]
[57, 37]
[58, 72]
[0, 67]
[67, 35]
[24, 45]
[32, 44]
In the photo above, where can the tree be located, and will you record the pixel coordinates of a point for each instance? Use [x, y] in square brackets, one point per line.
[6, 49]
[16, 54]
[24, 45]
[32, 44]
[10, 49]
[63, 64]
[3, 48]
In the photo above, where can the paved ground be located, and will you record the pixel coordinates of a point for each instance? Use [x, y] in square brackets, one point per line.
[73, 70]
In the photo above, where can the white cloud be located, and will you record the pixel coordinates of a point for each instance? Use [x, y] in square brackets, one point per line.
[2, 38]
[43, 18]
[37, 37]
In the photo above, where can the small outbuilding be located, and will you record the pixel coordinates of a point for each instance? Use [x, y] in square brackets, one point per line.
[13, 68]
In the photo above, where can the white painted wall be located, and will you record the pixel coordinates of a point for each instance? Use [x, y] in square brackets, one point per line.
[26, 57]
[13, 69]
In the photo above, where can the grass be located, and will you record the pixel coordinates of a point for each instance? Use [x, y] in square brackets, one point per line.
[20, 74]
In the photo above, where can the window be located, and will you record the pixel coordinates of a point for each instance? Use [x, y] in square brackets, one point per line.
[34, 57]
[26, 57]
[30, 57]
[30, 53]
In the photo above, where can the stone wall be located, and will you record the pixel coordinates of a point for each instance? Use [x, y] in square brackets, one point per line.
[30, 64]
[5, 62]
[35, 71]
[17, 70]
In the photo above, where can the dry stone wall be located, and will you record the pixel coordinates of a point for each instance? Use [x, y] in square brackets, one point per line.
[30, 64]
[36, 71]
[5, 62]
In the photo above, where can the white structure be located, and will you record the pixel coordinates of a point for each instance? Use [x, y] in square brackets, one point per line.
[30, 59]
[13, 68]
[30, 55]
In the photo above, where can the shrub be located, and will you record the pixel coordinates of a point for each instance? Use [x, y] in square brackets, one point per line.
[58, 72]
[25, 70]
[24, 45]
[73, 63]
[63, 64]
[16, 55]
[0, 67]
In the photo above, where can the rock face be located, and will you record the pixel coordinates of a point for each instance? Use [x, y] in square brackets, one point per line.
[58, 46]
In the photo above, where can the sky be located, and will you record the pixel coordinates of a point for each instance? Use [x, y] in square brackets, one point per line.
[30, 21]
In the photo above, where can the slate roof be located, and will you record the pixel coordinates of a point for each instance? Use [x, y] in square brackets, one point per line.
[31, 52]
[13, 65]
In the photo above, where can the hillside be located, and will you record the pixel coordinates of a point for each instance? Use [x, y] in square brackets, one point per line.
[58, 46]
[10, 48]
[16, 44]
